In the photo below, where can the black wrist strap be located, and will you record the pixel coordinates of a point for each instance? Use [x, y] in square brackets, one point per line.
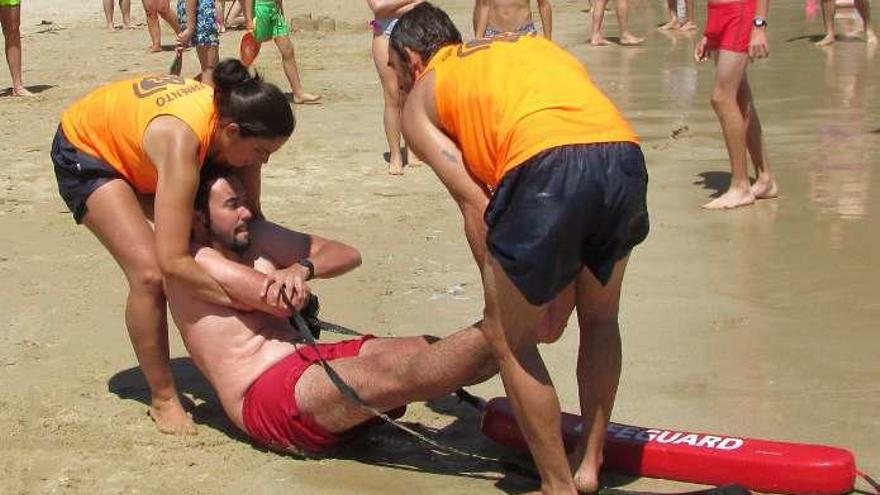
[309, 266]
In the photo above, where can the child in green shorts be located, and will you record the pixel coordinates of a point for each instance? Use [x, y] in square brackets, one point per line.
[265, 19]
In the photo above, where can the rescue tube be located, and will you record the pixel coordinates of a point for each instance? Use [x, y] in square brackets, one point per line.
[710, 459]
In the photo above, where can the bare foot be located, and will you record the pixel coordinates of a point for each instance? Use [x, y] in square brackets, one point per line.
[765, 189]
[870, 36]
[629, 40]
[586, 479]
[306, 99]
[598, 40]
[395, 168]
[111, 27]
[154, 49]
[22, 91]
[171, 418]
[688, 26]
[828, 40]
[673, 24]
[733, 198]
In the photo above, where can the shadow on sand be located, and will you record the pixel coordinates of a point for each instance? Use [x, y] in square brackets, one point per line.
[384, 445]
[717, 182]
[35, 89]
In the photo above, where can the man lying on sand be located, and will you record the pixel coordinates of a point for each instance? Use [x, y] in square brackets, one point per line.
[264, 375]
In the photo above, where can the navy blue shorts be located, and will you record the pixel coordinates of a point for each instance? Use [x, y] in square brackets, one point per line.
[566, 208]
[78, 174]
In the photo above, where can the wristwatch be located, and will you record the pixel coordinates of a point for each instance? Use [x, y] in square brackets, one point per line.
[309, 266]
[759, 22]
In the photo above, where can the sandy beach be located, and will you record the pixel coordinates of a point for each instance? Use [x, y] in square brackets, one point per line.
[755, 322]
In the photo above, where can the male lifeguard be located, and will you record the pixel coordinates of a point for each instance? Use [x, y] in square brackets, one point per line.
[551, 182]
[265, 377]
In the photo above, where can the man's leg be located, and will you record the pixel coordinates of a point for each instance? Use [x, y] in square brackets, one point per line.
[152, 16]
[690, 23]
[598, 369]
[672, 9]
[626, 37]
[170, 17]
[765, 185]
[125, 8]
[730, 71]
[115, 217]
[828, 19]
[598, 17]
[864, 8]
[288, 59]
[389, 373]
[511, 327]
[108, 13]
[10, 20]
[208, 60]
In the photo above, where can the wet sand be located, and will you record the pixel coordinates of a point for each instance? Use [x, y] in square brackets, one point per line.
[754, 322]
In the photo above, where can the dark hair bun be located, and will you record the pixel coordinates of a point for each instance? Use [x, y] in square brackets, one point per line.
[230, 73]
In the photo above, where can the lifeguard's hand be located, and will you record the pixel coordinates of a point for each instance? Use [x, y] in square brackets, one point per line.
[700, 53]
[292, 281]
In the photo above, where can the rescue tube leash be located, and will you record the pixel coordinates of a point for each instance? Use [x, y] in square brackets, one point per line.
[310, 326]
[871, 481]
[302, 326]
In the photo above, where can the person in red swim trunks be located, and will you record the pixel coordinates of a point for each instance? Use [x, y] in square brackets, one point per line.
[736, 32]
[266, 378]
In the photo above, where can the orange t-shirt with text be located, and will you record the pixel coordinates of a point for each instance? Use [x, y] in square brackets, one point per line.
[507, 99]
[109, 123]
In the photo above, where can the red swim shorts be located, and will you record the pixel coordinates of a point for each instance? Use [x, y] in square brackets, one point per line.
[729, 26]
[271, 415]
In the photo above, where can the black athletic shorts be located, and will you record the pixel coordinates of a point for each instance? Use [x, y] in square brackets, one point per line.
[565, 208]
[78, 174]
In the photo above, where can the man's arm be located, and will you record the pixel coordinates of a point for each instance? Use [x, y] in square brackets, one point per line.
[286, 248]
[481, 17]
[758, 47]
[424, 136]
[242, 283]
[546, 11]
[184, 37]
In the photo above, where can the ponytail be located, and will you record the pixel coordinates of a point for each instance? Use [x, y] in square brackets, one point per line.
[259, 108]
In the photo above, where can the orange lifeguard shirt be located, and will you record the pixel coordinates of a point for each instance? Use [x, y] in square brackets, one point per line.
[507, 99]
[109, 123]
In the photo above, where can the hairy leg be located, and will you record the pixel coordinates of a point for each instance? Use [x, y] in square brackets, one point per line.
[390, 373]
[730, 71]
[10, 20]
[765, 185]
[169, 16]
[598, 369]
[828, 19]
[597, 14]
[511, 327]
[115, 218]
[288, 59]
[626, 37]
[391, 112]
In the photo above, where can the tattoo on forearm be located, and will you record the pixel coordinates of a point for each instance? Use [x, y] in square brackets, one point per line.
[450, 156]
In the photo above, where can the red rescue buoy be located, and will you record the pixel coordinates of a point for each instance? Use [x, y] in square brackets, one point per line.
[759, 465]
